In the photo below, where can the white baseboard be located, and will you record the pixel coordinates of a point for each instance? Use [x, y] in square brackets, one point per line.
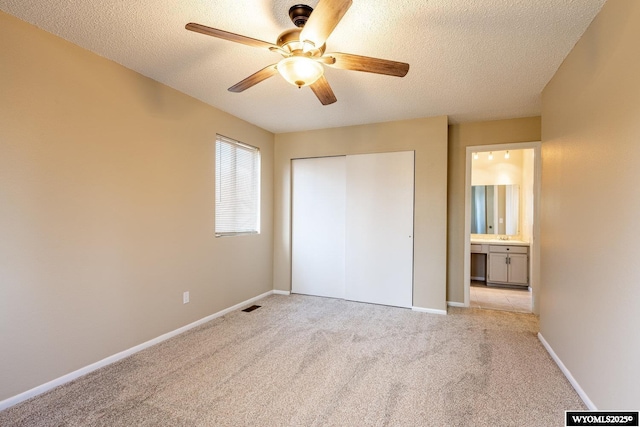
[428, 310]
[567, 374]
[276, 292]
[455, 304]
[4, 404]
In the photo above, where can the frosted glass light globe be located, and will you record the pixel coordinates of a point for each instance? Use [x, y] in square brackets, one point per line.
[300, 70]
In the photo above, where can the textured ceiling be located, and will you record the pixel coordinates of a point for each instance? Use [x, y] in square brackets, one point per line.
[470, 59]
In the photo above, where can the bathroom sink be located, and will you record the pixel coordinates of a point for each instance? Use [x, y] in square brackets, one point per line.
[513, 242]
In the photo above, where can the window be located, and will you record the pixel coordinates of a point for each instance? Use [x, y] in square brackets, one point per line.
[237, 188]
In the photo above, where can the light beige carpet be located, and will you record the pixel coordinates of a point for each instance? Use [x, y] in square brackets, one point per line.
[308, 361]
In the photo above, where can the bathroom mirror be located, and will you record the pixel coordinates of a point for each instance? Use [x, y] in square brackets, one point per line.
[495, 209]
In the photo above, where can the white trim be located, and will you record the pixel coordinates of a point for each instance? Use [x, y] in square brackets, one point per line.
[456, 304]
[4, 404]
[428, 310]
[277, 292]
[567, 374]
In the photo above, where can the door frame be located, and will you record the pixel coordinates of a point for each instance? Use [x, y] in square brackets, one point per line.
[534, 253]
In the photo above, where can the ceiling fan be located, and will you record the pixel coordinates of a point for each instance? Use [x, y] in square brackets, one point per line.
[303, 50]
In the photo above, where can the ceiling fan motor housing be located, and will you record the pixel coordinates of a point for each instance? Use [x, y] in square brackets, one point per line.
[289, 40]
[299, 14]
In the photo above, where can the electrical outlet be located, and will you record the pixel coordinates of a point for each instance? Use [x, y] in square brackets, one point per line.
[185, 297]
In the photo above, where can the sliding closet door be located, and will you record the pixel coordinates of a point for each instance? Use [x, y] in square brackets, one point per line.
[318, 226]
[379, 228]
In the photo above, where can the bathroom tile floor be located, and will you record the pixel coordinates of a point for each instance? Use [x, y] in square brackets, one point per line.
[497, 298]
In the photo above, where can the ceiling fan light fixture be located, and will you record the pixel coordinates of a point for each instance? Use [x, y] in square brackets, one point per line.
[303, 49]
[300, 70]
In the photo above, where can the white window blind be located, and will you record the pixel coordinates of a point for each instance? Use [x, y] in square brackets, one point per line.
[237, 188]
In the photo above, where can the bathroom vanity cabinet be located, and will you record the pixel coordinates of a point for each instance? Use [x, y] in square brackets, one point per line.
[506, 264]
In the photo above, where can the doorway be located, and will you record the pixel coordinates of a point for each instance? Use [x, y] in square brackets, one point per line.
[527, 211]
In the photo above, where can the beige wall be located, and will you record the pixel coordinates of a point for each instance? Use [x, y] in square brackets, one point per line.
[106, 209]
[428, 137]
[591, 208]
[462, 136]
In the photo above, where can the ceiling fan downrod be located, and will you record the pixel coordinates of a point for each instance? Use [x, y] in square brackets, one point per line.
[299, 14]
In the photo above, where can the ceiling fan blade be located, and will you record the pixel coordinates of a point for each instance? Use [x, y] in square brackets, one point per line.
[323, 20]
[221, 34]
[347, 61]
[254, 79]
[323, 91]
[329, 60]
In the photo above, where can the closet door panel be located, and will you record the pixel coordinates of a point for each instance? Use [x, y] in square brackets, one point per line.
[318, 226]
[379, 228]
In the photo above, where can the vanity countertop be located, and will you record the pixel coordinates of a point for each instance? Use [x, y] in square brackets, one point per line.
[499, 242]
